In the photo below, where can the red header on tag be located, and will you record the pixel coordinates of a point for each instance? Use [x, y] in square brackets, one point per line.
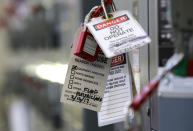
[117, 60]
[112, 22]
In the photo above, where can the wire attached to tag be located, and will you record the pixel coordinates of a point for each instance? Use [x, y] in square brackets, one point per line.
[153, 84]
[108, 16]
[89, 16]
[100, 9]
[86, 47]
[104, 9]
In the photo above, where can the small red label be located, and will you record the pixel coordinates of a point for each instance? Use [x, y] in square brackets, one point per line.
[111, 22]
[117, 60]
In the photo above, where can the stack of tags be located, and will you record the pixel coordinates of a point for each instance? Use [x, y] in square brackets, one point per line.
[118, 93]
[102, 82]
[86, 81]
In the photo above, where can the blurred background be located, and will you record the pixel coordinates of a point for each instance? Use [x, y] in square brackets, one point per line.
[35, 39]
[34, 50]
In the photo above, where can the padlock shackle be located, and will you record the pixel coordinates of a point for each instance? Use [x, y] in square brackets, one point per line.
[88, 16]
[105, 10]
[98, 11]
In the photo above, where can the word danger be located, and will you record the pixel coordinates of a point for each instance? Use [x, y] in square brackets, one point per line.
[111, 22]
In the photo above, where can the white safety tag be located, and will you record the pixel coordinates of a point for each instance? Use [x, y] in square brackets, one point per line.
[86, 81]
[118, 93]
[118, 35]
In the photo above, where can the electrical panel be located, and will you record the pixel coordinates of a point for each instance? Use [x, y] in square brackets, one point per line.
[166, 45]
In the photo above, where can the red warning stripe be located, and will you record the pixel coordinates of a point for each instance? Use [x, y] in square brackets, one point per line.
[190, 68]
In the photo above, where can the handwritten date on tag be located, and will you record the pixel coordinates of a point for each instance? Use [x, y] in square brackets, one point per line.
[85, 82]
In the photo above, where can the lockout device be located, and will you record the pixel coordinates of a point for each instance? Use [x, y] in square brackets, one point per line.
[86, 47]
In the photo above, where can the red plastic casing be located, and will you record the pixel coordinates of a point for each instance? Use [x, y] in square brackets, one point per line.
[144, 94]
[80, 45]
[82, 38]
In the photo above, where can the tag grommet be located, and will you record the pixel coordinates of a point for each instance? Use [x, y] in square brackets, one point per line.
[110, 16]
[106, 15]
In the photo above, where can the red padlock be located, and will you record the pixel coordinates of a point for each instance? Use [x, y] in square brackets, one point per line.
[86, 46]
